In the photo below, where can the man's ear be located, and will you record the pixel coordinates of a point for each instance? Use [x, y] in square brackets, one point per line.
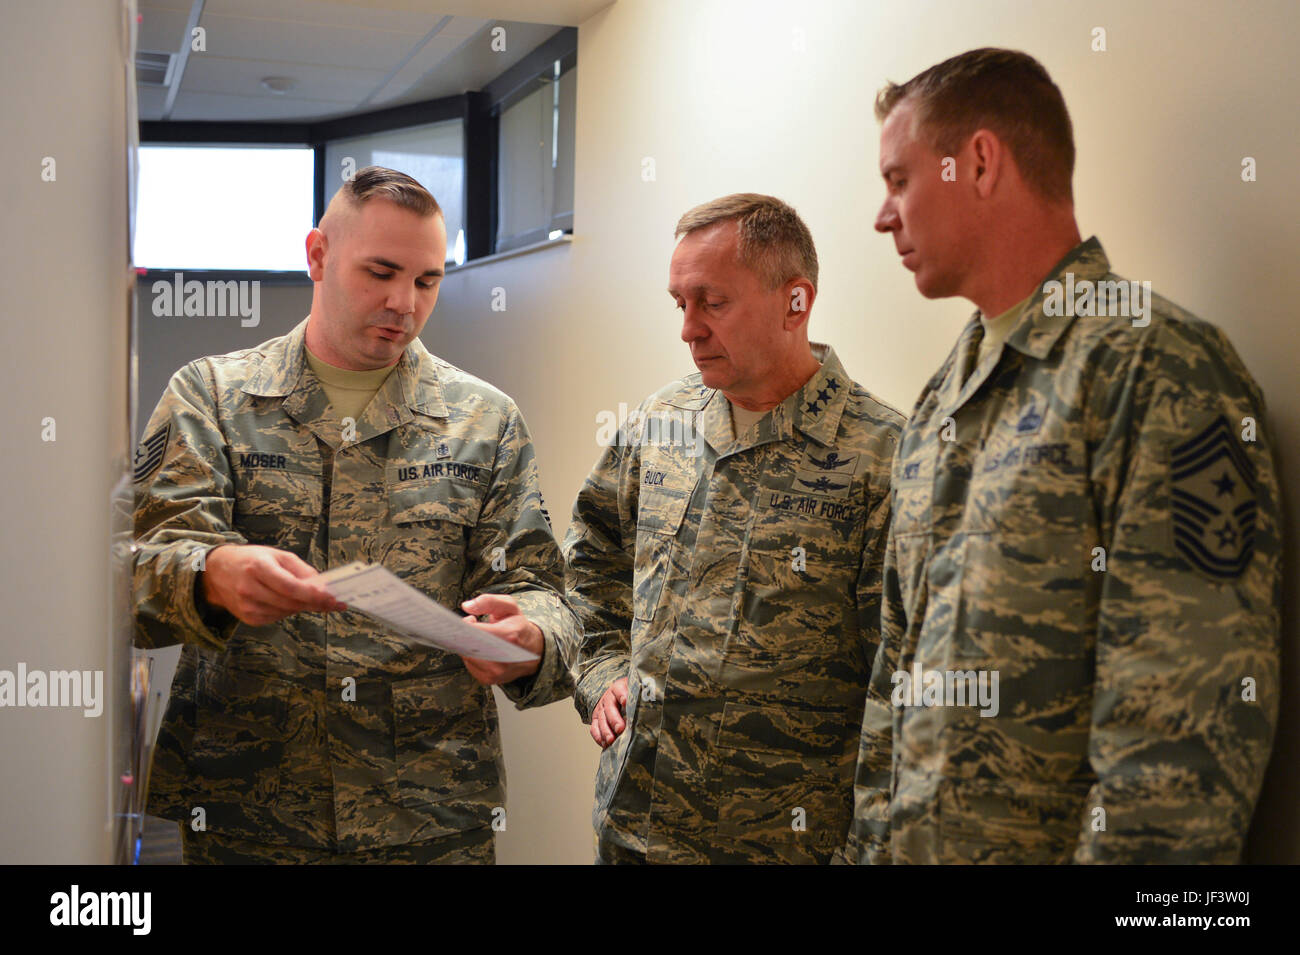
[987, 159]
[316, 248]
[799, 300]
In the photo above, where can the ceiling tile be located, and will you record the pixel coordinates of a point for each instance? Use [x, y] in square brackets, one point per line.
[222, 106]
[243, 78]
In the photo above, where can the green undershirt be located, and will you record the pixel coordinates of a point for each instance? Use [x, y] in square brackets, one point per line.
[998, 328]
[742, 419]
[348, 391]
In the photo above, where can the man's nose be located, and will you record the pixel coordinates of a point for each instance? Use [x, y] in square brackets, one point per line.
[887, 218]
[692, 328]
[401, 299]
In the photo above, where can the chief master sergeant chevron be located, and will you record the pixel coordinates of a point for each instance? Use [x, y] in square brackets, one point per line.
[725, 556]
[1085, 518]
[297, 732]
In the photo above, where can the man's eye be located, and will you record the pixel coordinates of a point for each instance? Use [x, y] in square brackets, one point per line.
[428, 285]
[715, 304]
[380, 275]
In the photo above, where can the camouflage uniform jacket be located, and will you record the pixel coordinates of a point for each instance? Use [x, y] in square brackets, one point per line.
[738, 590]
[323, 730]
[1092, 514]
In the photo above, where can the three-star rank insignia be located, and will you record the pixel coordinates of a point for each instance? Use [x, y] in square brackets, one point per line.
[1213, 499]
[149, 455]
[824, 395]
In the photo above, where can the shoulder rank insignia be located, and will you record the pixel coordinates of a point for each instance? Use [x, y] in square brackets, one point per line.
[149, 455]
[1212, 492]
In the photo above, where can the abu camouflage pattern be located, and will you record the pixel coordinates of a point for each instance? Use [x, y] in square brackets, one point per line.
[469, 847]
[262, 732]
[1102, 532]
[738, 590]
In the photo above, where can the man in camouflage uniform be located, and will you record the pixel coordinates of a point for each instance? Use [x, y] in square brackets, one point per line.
[1085, 509]
[725, 556]
[297, 732]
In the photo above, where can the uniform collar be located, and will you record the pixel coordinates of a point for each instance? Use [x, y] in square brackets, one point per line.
[813, 409]
[284, 372]
[1035, 333]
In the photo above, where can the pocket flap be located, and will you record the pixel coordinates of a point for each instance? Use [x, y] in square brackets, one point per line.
[440, 500]
[273, 483]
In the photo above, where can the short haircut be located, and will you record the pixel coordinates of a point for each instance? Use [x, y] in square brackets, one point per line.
[376, 182]
[774, 242]
[1005, 91]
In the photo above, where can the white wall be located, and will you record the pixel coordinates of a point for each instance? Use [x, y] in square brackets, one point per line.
[723, 100]
[63, 338]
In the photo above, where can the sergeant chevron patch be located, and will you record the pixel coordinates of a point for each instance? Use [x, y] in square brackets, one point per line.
[1213, 499]
[149, 455]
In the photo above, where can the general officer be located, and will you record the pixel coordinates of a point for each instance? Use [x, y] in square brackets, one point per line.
[299, 731]
[1085, 520]
[725, 557]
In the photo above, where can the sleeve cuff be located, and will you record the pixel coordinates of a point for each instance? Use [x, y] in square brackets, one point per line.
[553, 680]
[595, 682]
[198, 620]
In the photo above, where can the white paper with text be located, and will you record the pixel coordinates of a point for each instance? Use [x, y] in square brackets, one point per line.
[378, 593]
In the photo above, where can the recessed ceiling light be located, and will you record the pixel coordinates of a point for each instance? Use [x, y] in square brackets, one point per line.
[278, 84]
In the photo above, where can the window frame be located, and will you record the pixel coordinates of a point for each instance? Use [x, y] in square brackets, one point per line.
[478, 111]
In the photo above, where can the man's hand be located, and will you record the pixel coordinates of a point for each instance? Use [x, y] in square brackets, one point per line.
[607, 718]
[260, 585]
[504, 620]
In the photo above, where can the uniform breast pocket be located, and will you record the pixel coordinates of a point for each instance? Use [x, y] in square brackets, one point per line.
[429, 532]
[241, 720]
[801, 571]
[912, 513]
[785, 788]
[1026, 560]
[277, 501]
[1028, 486]
[807, 544]
[659, 517]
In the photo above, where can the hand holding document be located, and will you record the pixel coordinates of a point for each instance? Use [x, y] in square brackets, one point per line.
[378, 593]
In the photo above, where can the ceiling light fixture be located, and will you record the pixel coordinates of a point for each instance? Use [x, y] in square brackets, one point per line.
[278, 84]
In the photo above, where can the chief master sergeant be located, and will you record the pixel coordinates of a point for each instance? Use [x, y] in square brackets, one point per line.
[1085, 509]
[725, 556]
[298, 731]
